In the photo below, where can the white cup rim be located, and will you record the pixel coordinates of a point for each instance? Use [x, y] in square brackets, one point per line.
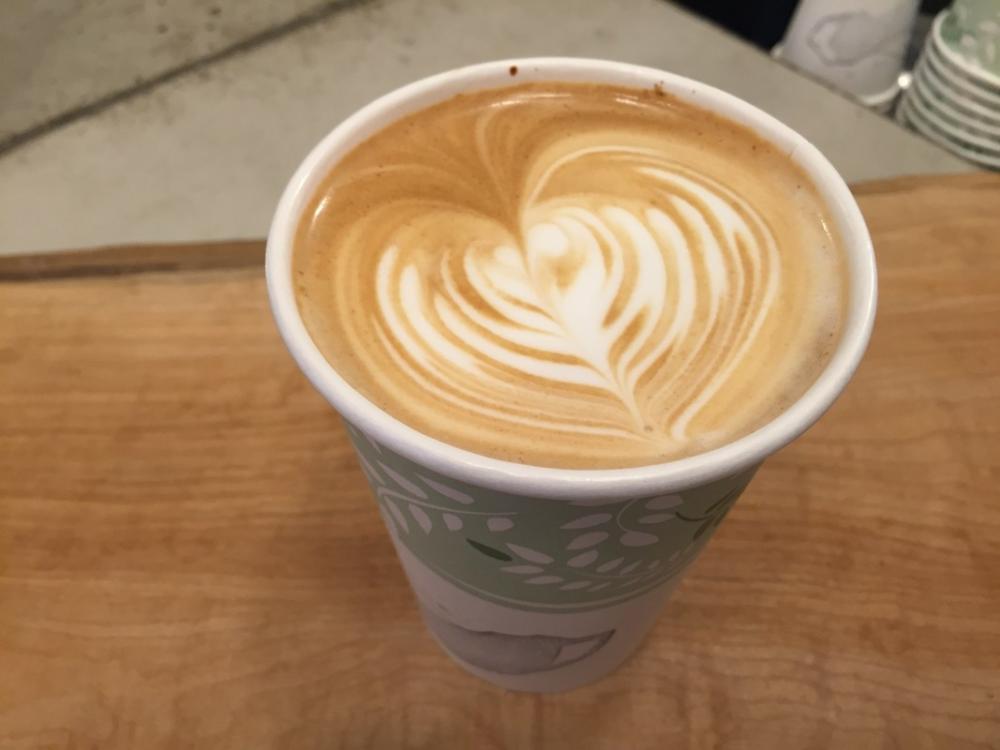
[571, 484]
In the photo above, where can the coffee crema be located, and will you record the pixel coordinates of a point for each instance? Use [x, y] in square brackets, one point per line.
[572, 275]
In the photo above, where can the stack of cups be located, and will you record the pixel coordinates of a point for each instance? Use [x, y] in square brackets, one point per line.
[953, 99]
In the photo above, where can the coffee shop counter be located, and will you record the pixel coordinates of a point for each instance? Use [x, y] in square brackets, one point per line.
[190, 556]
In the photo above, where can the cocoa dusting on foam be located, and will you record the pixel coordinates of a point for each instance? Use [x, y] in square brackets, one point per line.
[572, 275]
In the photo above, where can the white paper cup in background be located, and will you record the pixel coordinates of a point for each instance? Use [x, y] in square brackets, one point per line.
[538, 578]
[855, 45]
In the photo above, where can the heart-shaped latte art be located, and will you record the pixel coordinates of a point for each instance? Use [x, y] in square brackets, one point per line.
[576, 278]
[594, 296]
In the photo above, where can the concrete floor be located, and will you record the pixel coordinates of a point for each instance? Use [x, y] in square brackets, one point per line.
[147, 121]
[65, 54]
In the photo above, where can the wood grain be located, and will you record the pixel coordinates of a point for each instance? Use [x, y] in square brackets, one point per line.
[189, 556]
[118, 260]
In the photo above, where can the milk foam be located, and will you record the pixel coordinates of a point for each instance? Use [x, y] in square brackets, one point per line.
[605, 298]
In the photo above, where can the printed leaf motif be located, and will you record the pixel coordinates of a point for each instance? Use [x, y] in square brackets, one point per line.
[529, 554]
[664, 502]
[369, 470]
[523, 569]
[610, 565]
[587, 540]
[638, 539]
[583, 559]
[397, 514]
[448, 492]
[564, 555]
[586, 522]
[489, 551]
[421, 517]
[403, 482]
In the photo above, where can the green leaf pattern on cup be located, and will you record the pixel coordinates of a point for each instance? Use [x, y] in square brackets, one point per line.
[540, 554]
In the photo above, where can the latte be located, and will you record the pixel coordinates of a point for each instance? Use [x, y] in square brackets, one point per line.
[572, 275]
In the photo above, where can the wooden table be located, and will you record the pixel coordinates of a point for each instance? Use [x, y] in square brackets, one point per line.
[189, 556]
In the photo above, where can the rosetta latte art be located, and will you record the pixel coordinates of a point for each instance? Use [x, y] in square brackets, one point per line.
[585, 301]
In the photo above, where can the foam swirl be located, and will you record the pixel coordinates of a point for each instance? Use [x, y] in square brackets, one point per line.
[594, 298]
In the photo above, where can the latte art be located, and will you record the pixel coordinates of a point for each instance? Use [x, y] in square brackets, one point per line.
[594, 296]
[571, 275]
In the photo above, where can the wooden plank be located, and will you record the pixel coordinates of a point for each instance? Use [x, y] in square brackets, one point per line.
[189, 556]
[127, 259]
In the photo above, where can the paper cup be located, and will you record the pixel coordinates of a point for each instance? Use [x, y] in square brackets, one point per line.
[855, 45]
[538, 578]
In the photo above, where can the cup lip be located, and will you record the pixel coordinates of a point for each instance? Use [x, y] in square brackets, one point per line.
[551, 482]
[880, 98]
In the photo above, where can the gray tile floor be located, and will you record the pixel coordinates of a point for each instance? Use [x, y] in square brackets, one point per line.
[153, 121]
